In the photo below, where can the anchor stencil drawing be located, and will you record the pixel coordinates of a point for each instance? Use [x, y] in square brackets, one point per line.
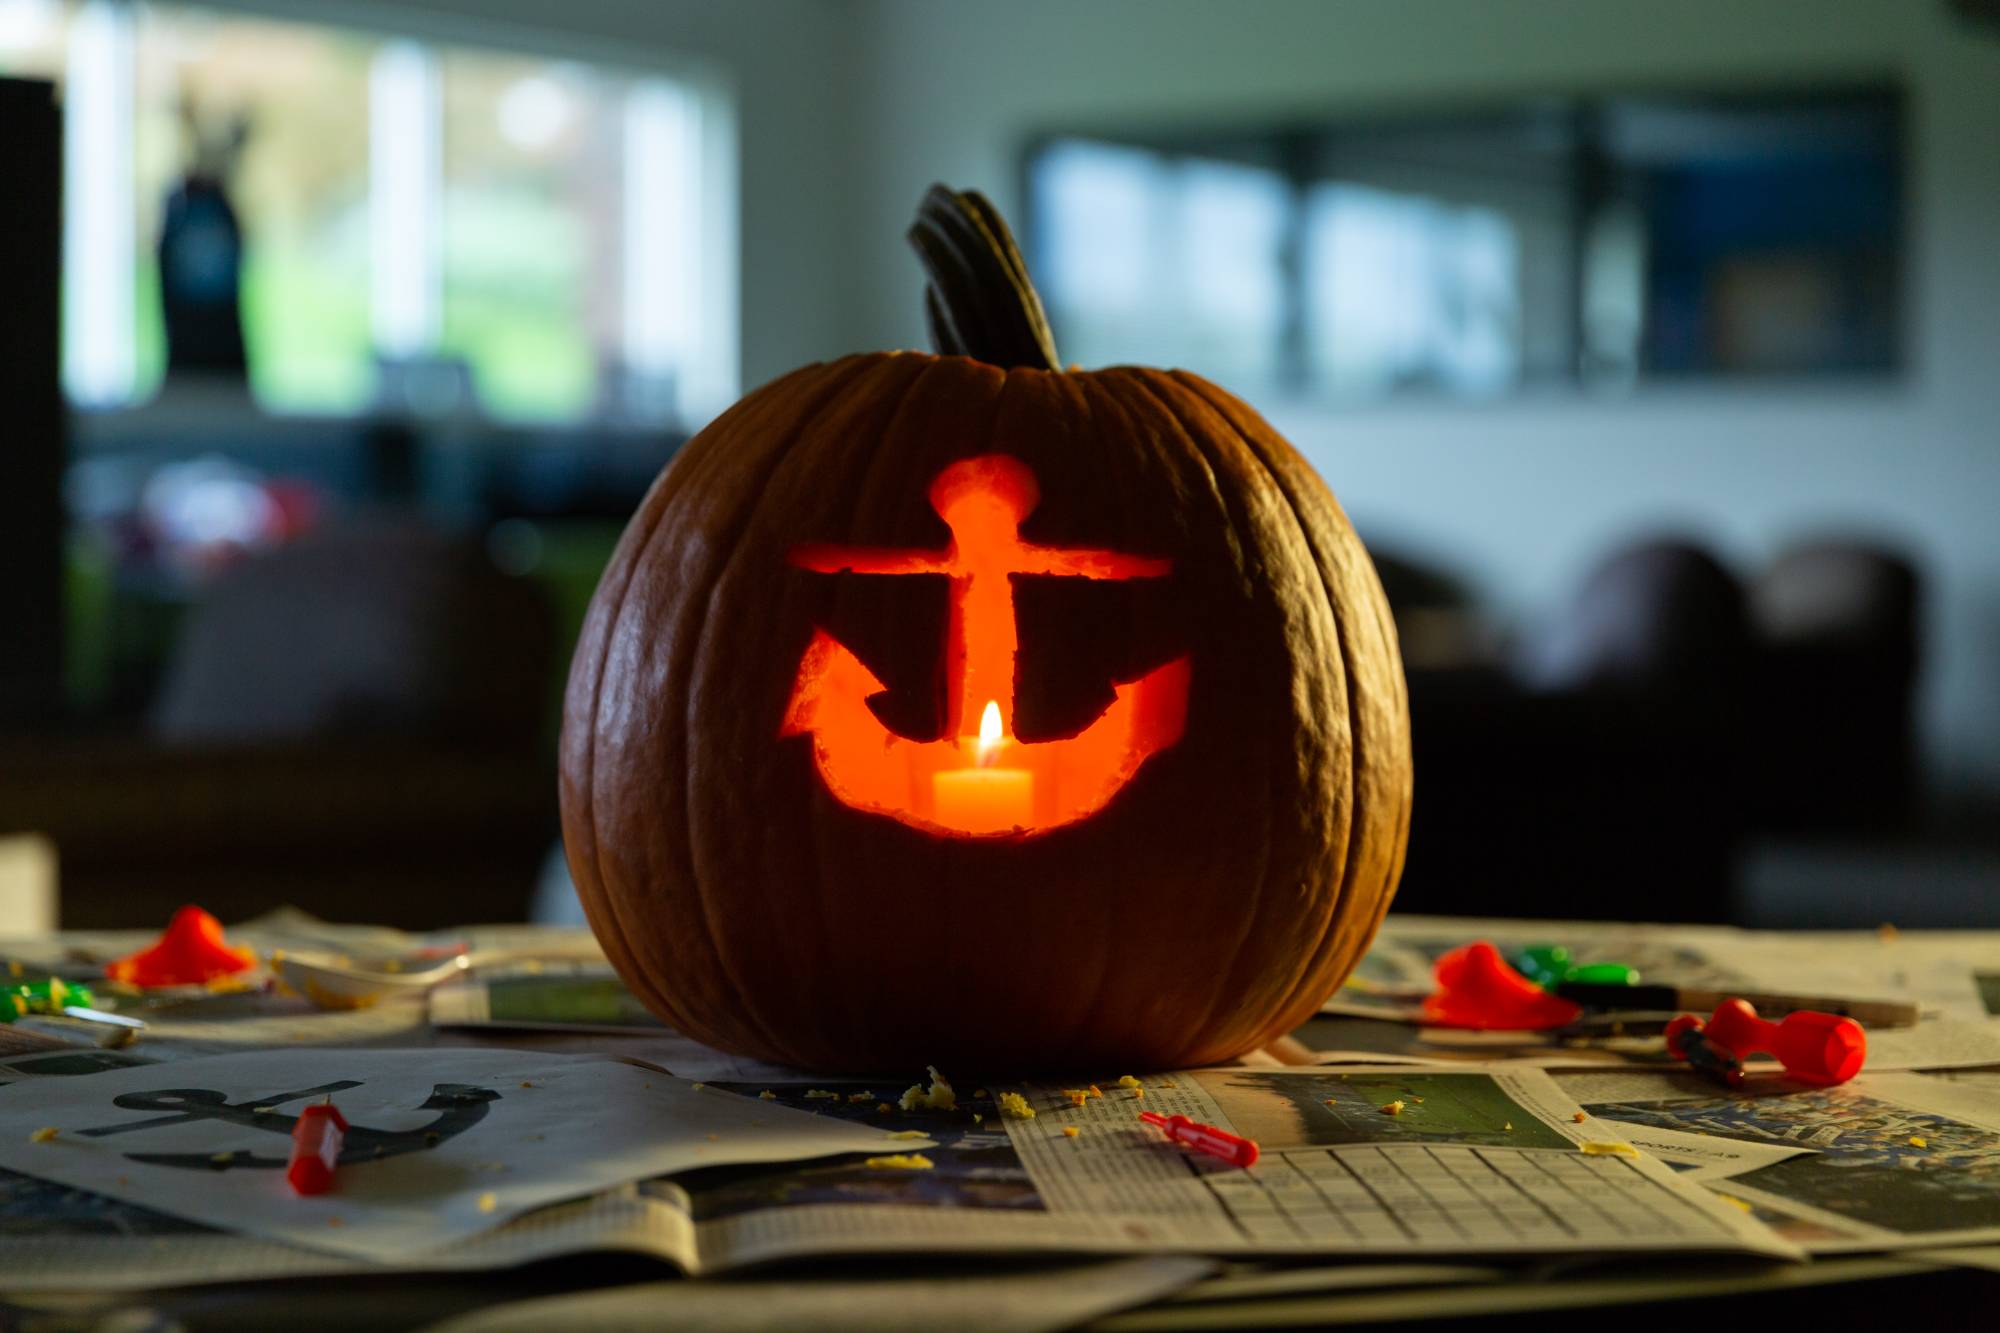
[866, 765]
[460, 1106]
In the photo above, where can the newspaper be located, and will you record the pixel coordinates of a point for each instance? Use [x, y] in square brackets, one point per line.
[291, 929]
[1341, 1039]
[1953, 977]
[1037, 1299]
[1474, 1164]
[1341, 1179]
[439, 1145]
[572, 999]
[1949, 974]
[1530, 1298]
[1888, 1161]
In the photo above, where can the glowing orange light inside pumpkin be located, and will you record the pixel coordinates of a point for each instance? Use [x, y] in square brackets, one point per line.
[865, 765]
[984, 799]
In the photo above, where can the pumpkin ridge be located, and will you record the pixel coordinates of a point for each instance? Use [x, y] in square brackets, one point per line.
[1109, 955]
[1323, 923]
[1323, 932]
[1249, 559]
[960, 939]
[592, 894]
[1086, 385]
[730, 548]
[1362, 813]
[598, 903]
[838, 379]
[886, 458]
[1062, 1038]
[1329, 943]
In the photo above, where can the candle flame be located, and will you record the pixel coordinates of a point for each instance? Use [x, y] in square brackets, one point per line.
[990, 734]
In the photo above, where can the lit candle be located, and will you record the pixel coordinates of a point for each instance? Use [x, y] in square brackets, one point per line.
[984, 799]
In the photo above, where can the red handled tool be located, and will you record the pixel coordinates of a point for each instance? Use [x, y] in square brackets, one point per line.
[1205, 1138]
[316, 1144]
[1817, 1048]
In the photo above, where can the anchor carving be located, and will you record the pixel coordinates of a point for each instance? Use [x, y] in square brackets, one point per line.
[460, 1106]
[868, 766]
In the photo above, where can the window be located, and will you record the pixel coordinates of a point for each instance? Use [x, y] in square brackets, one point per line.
[1409, 291]
[1586, 241]
[33, 37]
[531, 176]
[1167, 262]
[271, 108]
[422, 227]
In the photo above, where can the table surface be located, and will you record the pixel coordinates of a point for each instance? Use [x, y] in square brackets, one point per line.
[1838, 1290]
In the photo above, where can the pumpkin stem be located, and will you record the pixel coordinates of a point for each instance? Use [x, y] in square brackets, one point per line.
[979, 302]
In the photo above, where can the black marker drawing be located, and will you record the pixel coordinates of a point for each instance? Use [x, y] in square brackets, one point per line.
[460, 1106]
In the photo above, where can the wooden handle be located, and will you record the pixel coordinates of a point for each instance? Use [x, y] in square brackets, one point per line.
[979, 302]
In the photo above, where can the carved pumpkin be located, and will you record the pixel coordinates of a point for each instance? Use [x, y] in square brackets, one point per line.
[964, 709]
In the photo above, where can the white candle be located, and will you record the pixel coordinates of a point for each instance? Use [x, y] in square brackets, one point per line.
[984, 799]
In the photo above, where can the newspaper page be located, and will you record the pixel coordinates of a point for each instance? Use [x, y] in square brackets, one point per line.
[1474, 1163]
[1949, 974]
[1042, 1298]
[1395, 973]
[1888, 1161]
[1343, 1039]
[1470, 1163]
[436, 1145]
[1952, 976]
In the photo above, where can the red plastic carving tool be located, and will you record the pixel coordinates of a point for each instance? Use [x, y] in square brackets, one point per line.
[1205, 1138]
[1816, 1048]
[316, 1142]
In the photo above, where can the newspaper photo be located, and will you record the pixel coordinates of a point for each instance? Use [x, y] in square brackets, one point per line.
[1889, 1161]
[579, 999]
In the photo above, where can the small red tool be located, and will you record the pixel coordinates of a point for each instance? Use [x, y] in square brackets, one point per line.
[1821, 1049]
[316, 1144]
[1477, 989]
[1205, 1138]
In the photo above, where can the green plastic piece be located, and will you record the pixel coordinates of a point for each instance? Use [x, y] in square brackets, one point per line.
[1550, 964]
[1605, 974]
[43, 997]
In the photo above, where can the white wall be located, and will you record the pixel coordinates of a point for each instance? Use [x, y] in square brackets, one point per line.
[1522, 496]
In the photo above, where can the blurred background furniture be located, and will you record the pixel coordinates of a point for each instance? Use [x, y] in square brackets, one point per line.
[34, 443]
[354, 723]
[1837, 625]
[1631, 746]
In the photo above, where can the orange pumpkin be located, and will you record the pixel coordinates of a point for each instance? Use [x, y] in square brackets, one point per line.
[962, 709]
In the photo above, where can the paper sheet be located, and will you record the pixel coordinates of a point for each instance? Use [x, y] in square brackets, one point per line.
[1896, 1161]
[1485, 1164]
[444, 1143]
[1941, 971]
[1029, 1301]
